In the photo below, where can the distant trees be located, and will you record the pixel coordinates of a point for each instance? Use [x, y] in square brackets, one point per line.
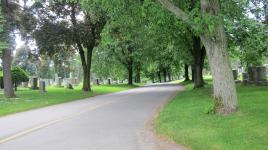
[26, 60]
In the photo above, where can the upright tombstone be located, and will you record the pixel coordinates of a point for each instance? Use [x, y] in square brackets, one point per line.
[24, 84]
[252, 75]
[34, 85]
[245, 77]
[59, 83]
[97, 81]
[70, 86]
[42, 86]
[71, 75]
[109, 81]
[235, 73]
[261, 75]
[57, 80]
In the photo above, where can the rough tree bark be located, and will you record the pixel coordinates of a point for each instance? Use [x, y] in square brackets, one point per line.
[216, 44]
[6, 53]
[8, 84]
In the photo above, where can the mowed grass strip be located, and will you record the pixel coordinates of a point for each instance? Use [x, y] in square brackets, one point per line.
[29, 99]
[185, 120]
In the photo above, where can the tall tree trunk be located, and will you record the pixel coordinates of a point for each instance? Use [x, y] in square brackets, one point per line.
[152, 77]
[216, 44]
[193, 72]
[86, 63]
[86, 71]
[6, 53]
[216, 48]
[165, 74]
[169, 76]
[186, 72]
[8, 84]
[159, 76]
[138, 77]
[87, 85]
[199, 57]
[130, 73]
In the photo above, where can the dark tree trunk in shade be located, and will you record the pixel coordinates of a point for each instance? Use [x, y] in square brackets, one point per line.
[186, 72]
[130, 73]
[165, 74]
[199, 57]
[159, 76]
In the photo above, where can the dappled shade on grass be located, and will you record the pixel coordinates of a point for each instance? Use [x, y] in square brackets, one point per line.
[185, 120]
[29, 99]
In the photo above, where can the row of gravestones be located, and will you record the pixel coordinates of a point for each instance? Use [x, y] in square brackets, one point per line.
[254, 75]
[43, 83]
[109, 81]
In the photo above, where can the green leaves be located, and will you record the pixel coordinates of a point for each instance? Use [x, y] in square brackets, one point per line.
[19, 75]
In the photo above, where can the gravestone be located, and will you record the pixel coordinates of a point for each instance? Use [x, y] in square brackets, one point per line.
[71, 75]
[109, 81]
[42, 86]
[76, 81]
[261, 76]
[34, 83]
[47, 81]
[70, 86]
[252, 75]
[58, 80]
[235, 73]
[97, 81]
[245, 77]
[25, 84]
[261, 73]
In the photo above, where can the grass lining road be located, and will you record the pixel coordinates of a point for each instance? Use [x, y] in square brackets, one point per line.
[29, 99]
[184, 120]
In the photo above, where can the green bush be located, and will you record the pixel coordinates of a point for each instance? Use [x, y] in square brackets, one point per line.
[19, 75]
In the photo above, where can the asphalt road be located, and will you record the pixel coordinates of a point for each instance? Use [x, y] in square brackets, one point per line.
[108, 122]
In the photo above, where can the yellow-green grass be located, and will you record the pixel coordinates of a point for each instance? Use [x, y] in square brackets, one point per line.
[185, 120]
[29, 99]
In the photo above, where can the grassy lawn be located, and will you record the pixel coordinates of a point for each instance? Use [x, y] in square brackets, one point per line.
[185, 121]
[29, 99]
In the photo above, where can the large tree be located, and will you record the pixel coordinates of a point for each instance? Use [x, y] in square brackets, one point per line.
[76, 27]
[9, 12]
[214, 39]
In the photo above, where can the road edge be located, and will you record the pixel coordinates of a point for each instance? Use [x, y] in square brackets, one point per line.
[148, 137]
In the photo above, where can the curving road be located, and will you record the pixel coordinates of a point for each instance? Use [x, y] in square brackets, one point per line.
[108, 122]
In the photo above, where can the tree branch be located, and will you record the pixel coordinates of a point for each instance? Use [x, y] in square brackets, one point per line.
[175, 10]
